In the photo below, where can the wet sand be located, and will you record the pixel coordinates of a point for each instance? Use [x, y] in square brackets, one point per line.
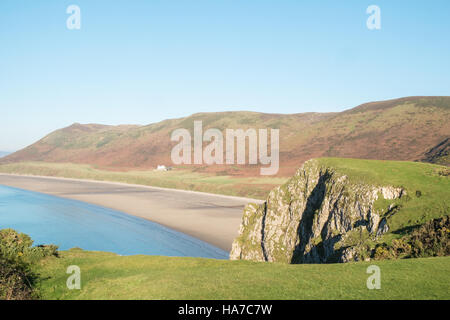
[212, 218]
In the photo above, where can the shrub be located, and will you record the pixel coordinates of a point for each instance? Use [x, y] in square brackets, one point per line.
[19, 246]
[17, 255]
[382, 252]
[401, 247]
[16, 280]
[429, 240]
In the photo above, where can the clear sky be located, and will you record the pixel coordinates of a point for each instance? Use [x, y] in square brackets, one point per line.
[144, 61]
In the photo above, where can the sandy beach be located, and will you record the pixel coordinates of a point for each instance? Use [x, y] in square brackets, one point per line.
[212, 218]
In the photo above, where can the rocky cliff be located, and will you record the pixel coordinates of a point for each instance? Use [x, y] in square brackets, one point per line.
[318, 216]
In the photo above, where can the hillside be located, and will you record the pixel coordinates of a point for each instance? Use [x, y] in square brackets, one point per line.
[439, 154]
[401, 129]
[341, 210]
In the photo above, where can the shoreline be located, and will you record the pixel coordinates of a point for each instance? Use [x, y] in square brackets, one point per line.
[212, 218]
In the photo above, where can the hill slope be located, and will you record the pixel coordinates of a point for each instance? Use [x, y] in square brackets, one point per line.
[439, 154]
[401, 129]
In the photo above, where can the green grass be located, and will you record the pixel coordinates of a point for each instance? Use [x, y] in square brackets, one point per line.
[108, 276]
[434, 199]
[253, 187]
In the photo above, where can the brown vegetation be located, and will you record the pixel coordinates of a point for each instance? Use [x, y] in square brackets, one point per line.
[401, 129]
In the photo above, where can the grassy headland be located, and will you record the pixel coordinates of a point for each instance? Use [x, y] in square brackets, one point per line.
[427, 188]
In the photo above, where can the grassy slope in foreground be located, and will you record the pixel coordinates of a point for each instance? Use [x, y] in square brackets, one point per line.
[108, 276]
[252, 187]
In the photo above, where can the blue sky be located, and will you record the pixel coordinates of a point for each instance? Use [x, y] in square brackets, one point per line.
[144, 61]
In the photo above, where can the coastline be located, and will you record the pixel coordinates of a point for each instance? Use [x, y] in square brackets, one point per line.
[212, 218]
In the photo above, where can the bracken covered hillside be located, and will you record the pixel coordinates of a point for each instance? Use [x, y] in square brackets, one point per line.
[401, 129]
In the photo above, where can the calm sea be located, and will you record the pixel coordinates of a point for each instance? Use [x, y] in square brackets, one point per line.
[70, 223]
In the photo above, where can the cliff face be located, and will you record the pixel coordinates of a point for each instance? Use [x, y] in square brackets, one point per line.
[318, 216]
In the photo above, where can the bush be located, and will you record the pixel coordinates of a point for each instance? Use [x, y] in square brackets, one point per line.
[17, 255]
[382, 252]
[401, 247]
[429, 240]
[16, 280]
[19, 246]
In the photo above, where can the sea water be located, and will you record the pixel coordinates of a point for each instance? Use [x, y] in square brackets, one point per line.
[70, 223]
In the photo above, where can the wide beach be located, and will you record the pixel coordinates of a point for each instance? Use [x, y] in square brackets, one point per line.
[212, 218]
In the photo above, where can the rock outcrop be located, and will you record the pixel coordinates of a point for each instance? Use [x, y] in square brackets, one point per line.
[318, 216]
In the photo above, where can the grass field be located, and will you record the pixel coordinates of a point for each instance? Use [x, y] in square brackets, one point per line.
[108, 276]
[252, 187]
